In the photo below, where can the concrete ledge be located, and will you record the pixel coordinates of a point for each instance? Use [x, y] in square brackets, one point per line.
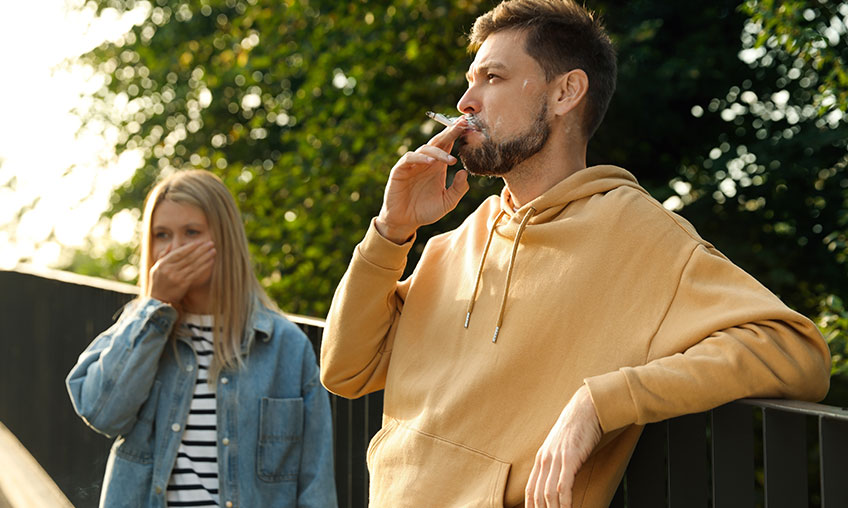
[23, 482]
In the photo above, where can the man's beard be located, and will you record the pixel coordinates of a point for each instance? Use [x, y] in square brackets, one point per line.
[497, 159]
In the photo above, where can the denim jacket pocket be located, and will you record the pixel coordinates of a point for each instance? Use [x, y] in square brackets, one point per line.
[280, 439]
[137, 445]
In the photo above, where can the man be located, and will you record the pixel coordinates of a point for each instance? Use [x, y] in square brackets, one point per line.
[522, 357]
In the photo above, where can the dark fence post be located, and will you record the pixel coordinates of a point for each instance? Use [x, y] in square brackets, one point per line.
[646, 473]
[833, 436]
[785, 456]
[46, 323]
[687, 461]
[733, 456]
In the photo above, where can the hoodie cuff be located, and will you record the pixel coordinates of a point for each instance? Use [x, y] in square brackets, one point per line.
[612, 399]
[382, 252]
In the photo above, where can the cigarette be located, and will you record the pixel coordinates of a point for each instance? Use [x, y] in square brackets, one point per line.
[447, 121]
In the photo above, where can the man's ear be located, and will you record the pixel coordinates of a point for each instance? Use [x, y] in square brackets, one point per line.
[570, 91]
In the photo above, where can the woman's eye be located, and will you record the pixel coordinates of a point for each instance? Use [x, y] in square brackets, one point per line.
[192, 232]
[160, 235]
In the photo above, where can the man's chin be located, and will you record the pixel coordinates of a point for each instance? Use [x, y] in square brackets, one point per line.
[477, 168]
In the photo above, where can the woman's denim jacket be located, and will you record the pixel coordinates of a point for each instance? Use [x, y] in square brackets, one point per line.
[274, 425]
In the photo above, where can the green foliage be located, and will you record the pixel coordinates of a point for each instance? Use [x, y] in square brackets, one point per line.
[303, 107]
[833, 322]
[811, 32]
[116, 261]
[772, 192]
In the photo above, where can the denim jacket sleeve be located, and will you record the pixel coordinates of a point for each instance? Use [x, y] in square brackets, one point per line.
[316, 480]
[114, 375]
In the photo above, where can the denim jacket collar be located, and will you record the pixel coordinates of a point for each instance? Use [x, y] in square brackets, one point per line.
[260, 324]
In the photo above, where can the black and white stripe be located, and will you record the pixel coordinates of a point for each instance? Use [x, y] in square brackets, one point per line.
[194, 479]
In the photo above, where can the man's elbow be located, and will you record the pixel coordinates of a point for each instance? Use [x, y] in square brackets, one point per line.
[811, 381]
[819, 383]
[338, 385]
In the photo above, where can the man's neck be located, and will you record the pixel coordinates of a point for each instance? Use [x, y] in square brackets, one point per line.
[533, 177]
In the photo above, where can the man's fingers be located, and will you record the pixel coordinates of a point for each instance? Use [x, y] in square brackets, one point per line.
[551, 482]
[566, 484]
[436, 153]
[530, 489]
[458, 188]
[415, 158]
[448, 135]
[545, 463]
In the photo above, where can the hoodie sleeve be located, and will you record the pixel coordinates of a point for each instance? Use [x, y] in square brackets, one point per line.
[363, 317]
[724, 337]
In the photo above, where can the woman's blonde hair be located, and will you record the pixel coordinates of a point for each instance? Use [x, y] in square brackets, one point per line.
[233, 286]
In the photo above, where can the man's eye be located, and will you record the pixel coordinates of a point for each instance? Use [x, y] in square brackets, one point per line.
[492, 76]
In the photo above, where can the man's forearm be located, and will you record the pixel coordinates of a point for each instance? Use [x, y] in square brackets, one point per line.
[360, 326]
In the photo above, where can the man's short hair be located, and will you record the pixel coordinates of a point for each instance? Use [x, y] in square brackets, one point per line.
[561, 36]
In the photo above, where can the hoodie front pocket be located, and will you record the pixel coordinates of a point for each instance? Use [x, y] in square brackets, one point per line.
[280, 439]
[412, 468]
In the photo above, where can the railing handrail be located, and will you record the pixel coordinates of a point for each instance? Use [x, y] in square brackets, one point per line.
[669, 460]
[800, 407]
[122, 287]
[74, 278]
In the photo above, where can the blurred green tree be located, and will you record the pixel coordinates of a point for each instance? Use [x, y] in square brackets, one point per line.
[303, 107]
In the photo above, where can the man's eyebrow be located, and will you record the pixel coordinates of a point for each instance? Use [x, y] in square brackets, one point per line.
[485, 65]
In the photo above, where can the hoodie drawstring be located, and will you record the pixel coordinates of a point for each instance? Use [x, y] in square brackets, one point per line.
[515, 243]
[480, 268]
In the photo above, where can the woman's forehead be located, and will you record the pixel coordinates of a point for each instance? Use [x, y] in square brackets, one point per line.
[169, 212]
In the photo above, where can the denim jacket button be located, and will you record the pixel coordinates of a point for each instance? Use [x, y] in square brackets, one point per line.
[175, 427]
[225, 441]
[190, 368]
[229, 504]
[224, 380]
[158, 489]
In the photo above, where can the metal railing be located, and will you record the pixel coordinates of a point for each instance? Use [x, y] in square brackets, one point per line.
[744, 454]
[752, 452]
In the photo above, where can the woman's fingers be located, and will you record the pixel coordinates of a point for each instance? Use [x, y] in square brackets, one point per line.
[179, 268]
[185, 255]
[200, 268]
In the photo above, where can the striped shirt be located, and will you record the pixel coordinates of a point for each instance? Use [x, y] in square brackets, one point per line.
[194, 479]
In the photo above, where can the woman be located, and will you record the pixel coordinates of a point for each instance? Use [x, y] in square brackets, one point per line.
[213, 394]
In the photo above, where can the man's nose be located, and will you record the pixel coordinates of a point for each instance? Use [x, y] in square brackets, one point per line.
[469, 103]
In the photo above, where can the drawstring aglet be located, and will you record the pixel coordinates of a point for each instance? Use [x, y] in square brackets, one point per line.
[467, 319]
[497, 331]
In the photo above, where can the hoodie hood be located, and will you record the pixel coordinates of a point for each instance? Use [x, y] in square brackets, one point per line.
[582, 184]
[545, 208]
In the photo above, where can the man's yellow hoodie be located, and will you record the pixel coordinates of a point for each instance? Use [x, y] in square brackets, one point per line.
[505, 317]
